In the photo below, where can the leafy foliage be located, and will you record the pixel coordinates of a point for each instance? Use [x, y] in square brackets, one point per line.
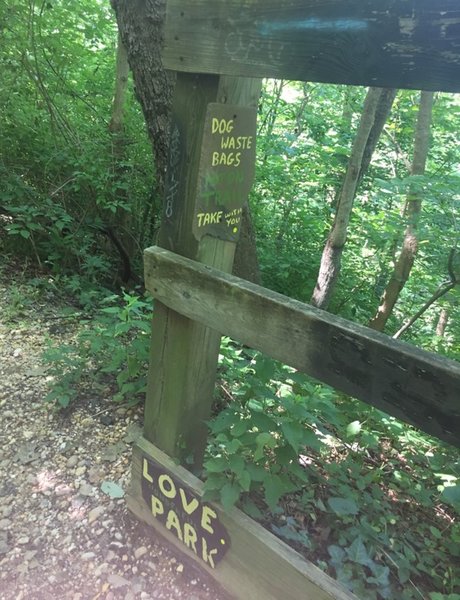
[64, 179]
[112, 344]
[370, 499]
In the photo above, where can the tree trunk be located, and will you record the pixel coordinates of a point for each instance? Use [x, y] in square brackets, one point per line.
[121, 84]
[413, 207]
[246, 264]
[442, 322]
[140, 24]
[332, 253]
[119, 227]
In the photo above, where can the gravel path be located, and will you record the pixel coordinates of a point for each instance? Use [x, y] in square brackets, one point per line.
[61, 536]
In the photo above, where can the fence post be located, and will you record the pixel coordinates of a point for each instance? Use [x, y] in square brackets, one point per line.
[184, 353]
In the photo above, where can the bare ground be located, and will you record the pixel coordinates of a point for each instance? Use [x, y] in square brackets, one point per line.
[61, 536]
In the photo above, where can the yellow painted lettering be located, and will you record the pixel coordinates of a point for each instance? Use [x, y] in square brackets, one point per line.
[237, 159]
[157, 506]
[145, 471]
[228, 142]
[206, 516]
[207, 219]
[167, 486]
[207, 556]
[221, 126]
[200, 219]
[190, 537]
[189, 507]
[173, 522]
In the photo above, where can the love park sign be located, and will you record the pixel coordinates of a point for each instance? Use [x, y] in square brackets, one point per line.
[183, 513]
[226, 170]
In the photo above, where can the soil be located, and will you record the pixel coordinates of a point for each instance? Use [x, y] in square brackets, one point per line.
[64, 533]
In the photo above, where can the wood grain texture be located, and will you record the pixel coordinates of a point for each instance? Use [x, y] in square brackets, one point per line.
[258, 565]
[181, 379]
[418, 387]
[384, 43]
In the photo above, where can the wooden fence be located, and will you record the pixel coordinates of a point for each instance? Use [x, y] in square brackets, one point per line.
[216, 47]
[416, 386]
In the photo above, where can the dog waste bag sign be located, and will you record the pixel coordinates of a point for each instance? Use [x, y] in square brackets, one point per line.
[183, 513]
[226, 170]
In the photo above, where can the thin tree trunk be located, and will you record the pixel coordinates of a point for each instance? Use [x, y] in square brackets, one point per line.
[119, 230]
[442, 322]
[332, 253]
[409, 248]
[246, 264]
[121, 84]
[440, 292]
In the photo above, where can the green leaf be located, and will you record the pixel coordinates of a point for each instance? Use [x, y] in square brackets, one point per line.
[293, 432]
[274, 489]
[233, 446]
[251, 509]
[244, 479]
[236, 463]
[451, 495]
[24, 233]
[229, 495]
[353, 428]
[337, 554]
[381, 575]
[357, 553]
[215, 481]
[239, 428]
[216, 465]
[311, 440]
[257, 472]
[343, 506]
[262, 440]
[223, 421]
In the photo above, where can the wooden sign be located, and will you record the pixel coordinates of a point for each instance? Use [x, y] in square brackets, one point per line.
[226, 170]
[183, 513]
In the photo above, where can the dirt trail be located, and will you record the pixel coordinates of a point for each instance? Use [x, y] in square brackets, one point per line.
[61, 536]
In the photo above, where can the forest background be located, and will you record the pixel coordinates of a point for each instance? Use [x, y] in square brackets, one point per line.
[356, 192]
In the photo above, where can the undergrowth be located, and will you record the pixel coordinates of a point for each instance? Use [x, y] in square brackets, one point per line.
[369, 499]
[112, 343]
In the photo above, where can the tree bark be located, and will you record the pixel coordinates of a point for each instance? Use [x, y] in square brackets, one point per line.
[442, 322]
[442, 290]
[121, 84]
[362, 148]
[413, 207]
[140, 23]
[246, 264]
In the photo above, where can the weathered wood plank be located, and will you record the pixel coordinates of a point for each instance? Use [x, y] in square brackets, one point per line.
[385, 43]
[181, 379]
[416, 386]
[258, 565]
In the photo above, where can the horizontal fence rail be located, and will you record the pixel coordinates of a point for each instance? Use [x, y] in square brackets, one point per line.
[384, 43]
[416, 386]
